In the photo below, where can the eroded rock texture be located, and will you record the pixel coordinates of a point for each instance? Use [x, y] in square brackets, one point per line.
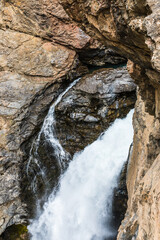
[33, 64]
[39, 47]
[132, 28]
[26, 91]
[92, 105]
[33, 71]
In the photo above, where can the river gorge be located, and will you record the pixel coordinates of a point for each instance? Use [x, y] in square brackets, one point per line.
[70, 166]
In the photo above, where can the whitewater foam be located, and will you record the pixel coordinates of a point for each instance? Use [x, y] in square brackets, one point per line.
[81, 208]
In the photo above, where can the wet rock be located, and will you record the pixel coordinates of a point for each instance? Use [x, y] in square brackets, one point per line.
[92, 105]
[132, 28]
[100, 56]
[37, 61]
[120, 196]
[15, 232]
[29, 82]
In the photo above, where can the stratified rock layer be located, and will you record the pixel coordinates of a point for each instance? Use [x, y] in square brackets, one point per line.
[132, 28]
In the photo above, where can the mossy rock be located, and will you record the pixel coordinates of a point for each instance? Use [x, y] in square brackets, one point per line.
[16, 232]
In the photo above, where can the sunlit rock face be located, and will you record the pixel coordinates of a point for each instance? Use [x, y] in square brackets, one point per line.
[132, 28]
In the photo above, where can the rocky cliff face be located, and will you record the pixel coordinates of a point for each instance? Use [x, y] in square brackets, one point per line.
[132, 28]
[90, 107]
[26, 89]
[33, 71]
[40, 52]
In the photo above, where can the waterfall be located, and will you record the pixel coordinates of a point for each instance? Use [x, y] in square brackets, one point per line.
[49, 133]
[81, 208]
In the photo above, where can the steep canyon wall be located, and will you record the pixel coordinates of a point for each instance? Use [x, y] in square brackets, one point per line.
[39, 48]
[40, 52]
[132, 28]
[34, 69]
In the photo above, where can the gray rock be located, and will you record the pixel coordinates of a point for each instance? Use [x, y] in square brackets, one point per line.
[78, 116]
[90, 118]
[92, 105]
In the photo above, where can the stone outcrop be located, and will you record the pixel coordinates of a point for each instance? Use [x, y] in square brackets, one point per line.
[92, 105]
[132, 28]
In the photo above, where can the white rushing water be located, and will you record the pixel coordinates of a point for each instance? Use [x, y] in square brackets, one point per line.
[81, 208]
[48, 129]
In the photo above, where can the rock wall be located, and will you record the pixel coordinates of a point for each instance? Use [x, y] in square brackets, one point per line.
[90, 107]
[34, 69]
[26, 89]
[39, 55]
[132, 28]
[38, 52]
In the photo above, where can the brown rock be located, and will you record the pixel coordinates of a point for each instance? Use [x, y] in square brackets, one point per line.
[46, 19]
[132, 28]
[30, 78]
[31, 56]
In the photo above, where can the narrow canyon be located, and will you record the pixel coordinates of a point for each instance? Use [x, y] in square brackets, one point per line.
[70, 73]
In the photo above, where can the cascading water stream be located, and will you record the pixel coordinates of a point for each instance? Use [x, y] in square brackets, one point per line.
[48, 130]
[81, 208]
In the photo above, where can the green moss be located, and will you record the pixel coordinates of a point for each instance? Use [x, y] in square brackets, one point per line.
[16, 232]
